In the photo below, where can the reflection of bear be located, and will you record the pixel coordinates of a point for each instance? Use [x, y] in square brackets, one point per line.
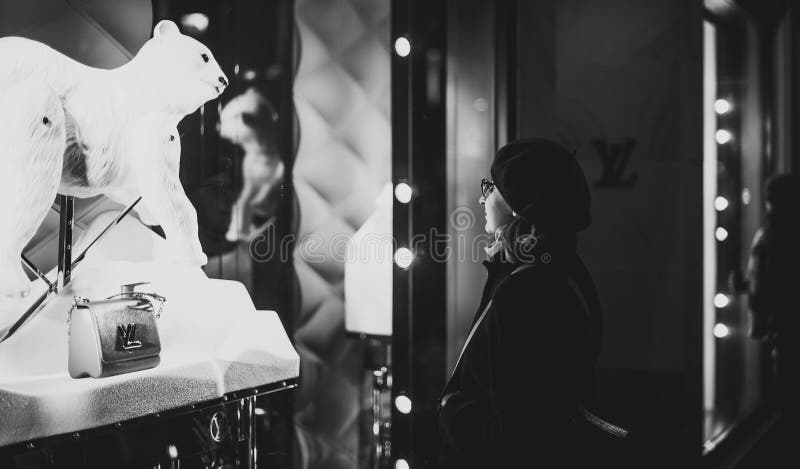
[249, 121]
[29, 178]
[171, 76]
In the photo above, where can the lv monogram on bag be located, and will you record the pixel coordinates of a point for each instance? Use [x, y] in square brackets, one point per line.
[127, 335]
[116, 335]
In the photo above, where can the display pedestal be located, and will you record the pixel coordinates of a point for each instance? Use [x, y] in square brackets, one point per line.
[218, 353]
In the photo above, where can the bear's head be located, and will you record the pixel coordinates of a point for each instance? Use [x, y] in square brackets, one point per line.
[179, 70]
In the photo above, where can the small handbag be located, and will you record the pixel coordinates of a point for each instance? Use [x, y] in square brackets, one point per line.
[116, 335]
[605, 443]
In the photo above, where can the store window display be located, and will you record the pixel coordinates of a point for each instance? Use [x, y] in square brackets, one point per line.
[113, 116]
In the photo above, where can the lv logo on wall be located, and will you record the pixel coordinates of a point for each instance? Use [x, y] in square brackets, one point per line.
[615, 158]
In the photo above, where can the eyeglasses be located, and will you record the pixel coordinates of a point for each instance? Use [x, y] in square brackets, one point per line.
[487, 187]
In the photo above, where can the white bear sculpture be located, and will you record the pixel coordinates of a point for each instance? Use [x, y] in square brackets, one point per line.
[119, 135]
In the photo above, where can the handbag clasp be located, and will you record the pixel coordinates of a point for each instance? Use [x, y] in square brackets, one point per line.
[145, 301]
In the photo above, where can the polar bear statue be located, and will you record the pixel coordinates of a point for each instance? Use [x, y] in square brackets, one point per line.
[107, 114]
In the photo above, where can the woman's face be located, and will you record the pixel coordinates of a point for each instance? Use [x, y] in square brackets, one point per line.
[497, 211]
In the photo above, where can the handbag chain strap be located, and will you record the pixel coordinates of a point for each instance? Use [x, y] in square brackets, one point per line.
[602, 424]
[145, 301]
[598, 422]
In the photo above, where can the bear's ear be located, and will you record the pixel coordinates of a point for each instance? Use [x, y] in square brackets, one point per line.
[165, 28]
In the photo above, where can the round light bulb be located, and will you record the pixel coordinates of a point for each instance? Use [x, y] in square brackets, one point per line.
[403, 404]
[722, 106]
[720, 203]
[721, 330]
[722, 234]
[403, 193]
[403, 257]
[195, 22]
[402, 46]
[721, 300]
[401, 464]
[723, 136]
[747, 196]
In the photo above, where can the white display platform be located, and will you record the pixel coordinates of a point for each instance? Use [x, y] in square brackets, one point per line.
[213, 340]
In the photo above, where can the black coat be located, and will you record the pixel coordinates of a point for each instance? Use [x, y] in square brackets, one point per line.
[526, 369]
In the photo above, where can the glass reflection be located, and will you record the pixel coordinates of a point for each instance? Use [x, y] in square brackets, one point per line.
[735, 365]
[232, 165]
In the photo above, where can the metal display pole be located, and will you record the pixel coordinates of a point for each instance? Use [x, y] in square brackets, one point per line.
[380, 380]
[252, 450]
[67, 204]
[65, 260]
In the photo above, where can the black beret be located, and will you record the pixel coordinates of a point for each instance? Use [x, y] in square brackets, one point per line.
[543, 183]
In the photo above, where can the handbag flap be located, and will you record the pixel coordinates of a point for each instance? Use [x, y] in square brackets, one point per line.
[127, 331]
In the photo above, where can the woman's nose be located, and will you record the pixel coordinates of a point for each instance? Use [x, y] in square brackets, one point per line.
[482, 200]
[223, 81]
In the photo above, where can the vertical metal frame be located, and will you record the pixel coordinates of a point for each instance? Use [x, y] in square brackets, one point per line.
[288, 216]
[418, 158]
[67, 215]
[476, 124]
[402, 350]
[791, 157]
[780, 41]
[505, 27]
[763, 19]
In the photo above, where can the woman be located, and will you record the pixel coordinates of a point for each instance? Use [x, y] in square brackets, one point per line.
[773, 284]
[527, 367]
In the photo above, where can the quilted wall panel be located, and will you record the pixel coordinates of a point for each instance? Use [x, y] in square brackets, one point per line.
[342, 97]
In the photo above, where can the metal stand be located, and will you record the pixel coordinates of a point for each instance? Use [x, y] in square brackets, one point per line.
[381, 426]
[381, 444]
[67, 214]
[246, 429]
[65, 261]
